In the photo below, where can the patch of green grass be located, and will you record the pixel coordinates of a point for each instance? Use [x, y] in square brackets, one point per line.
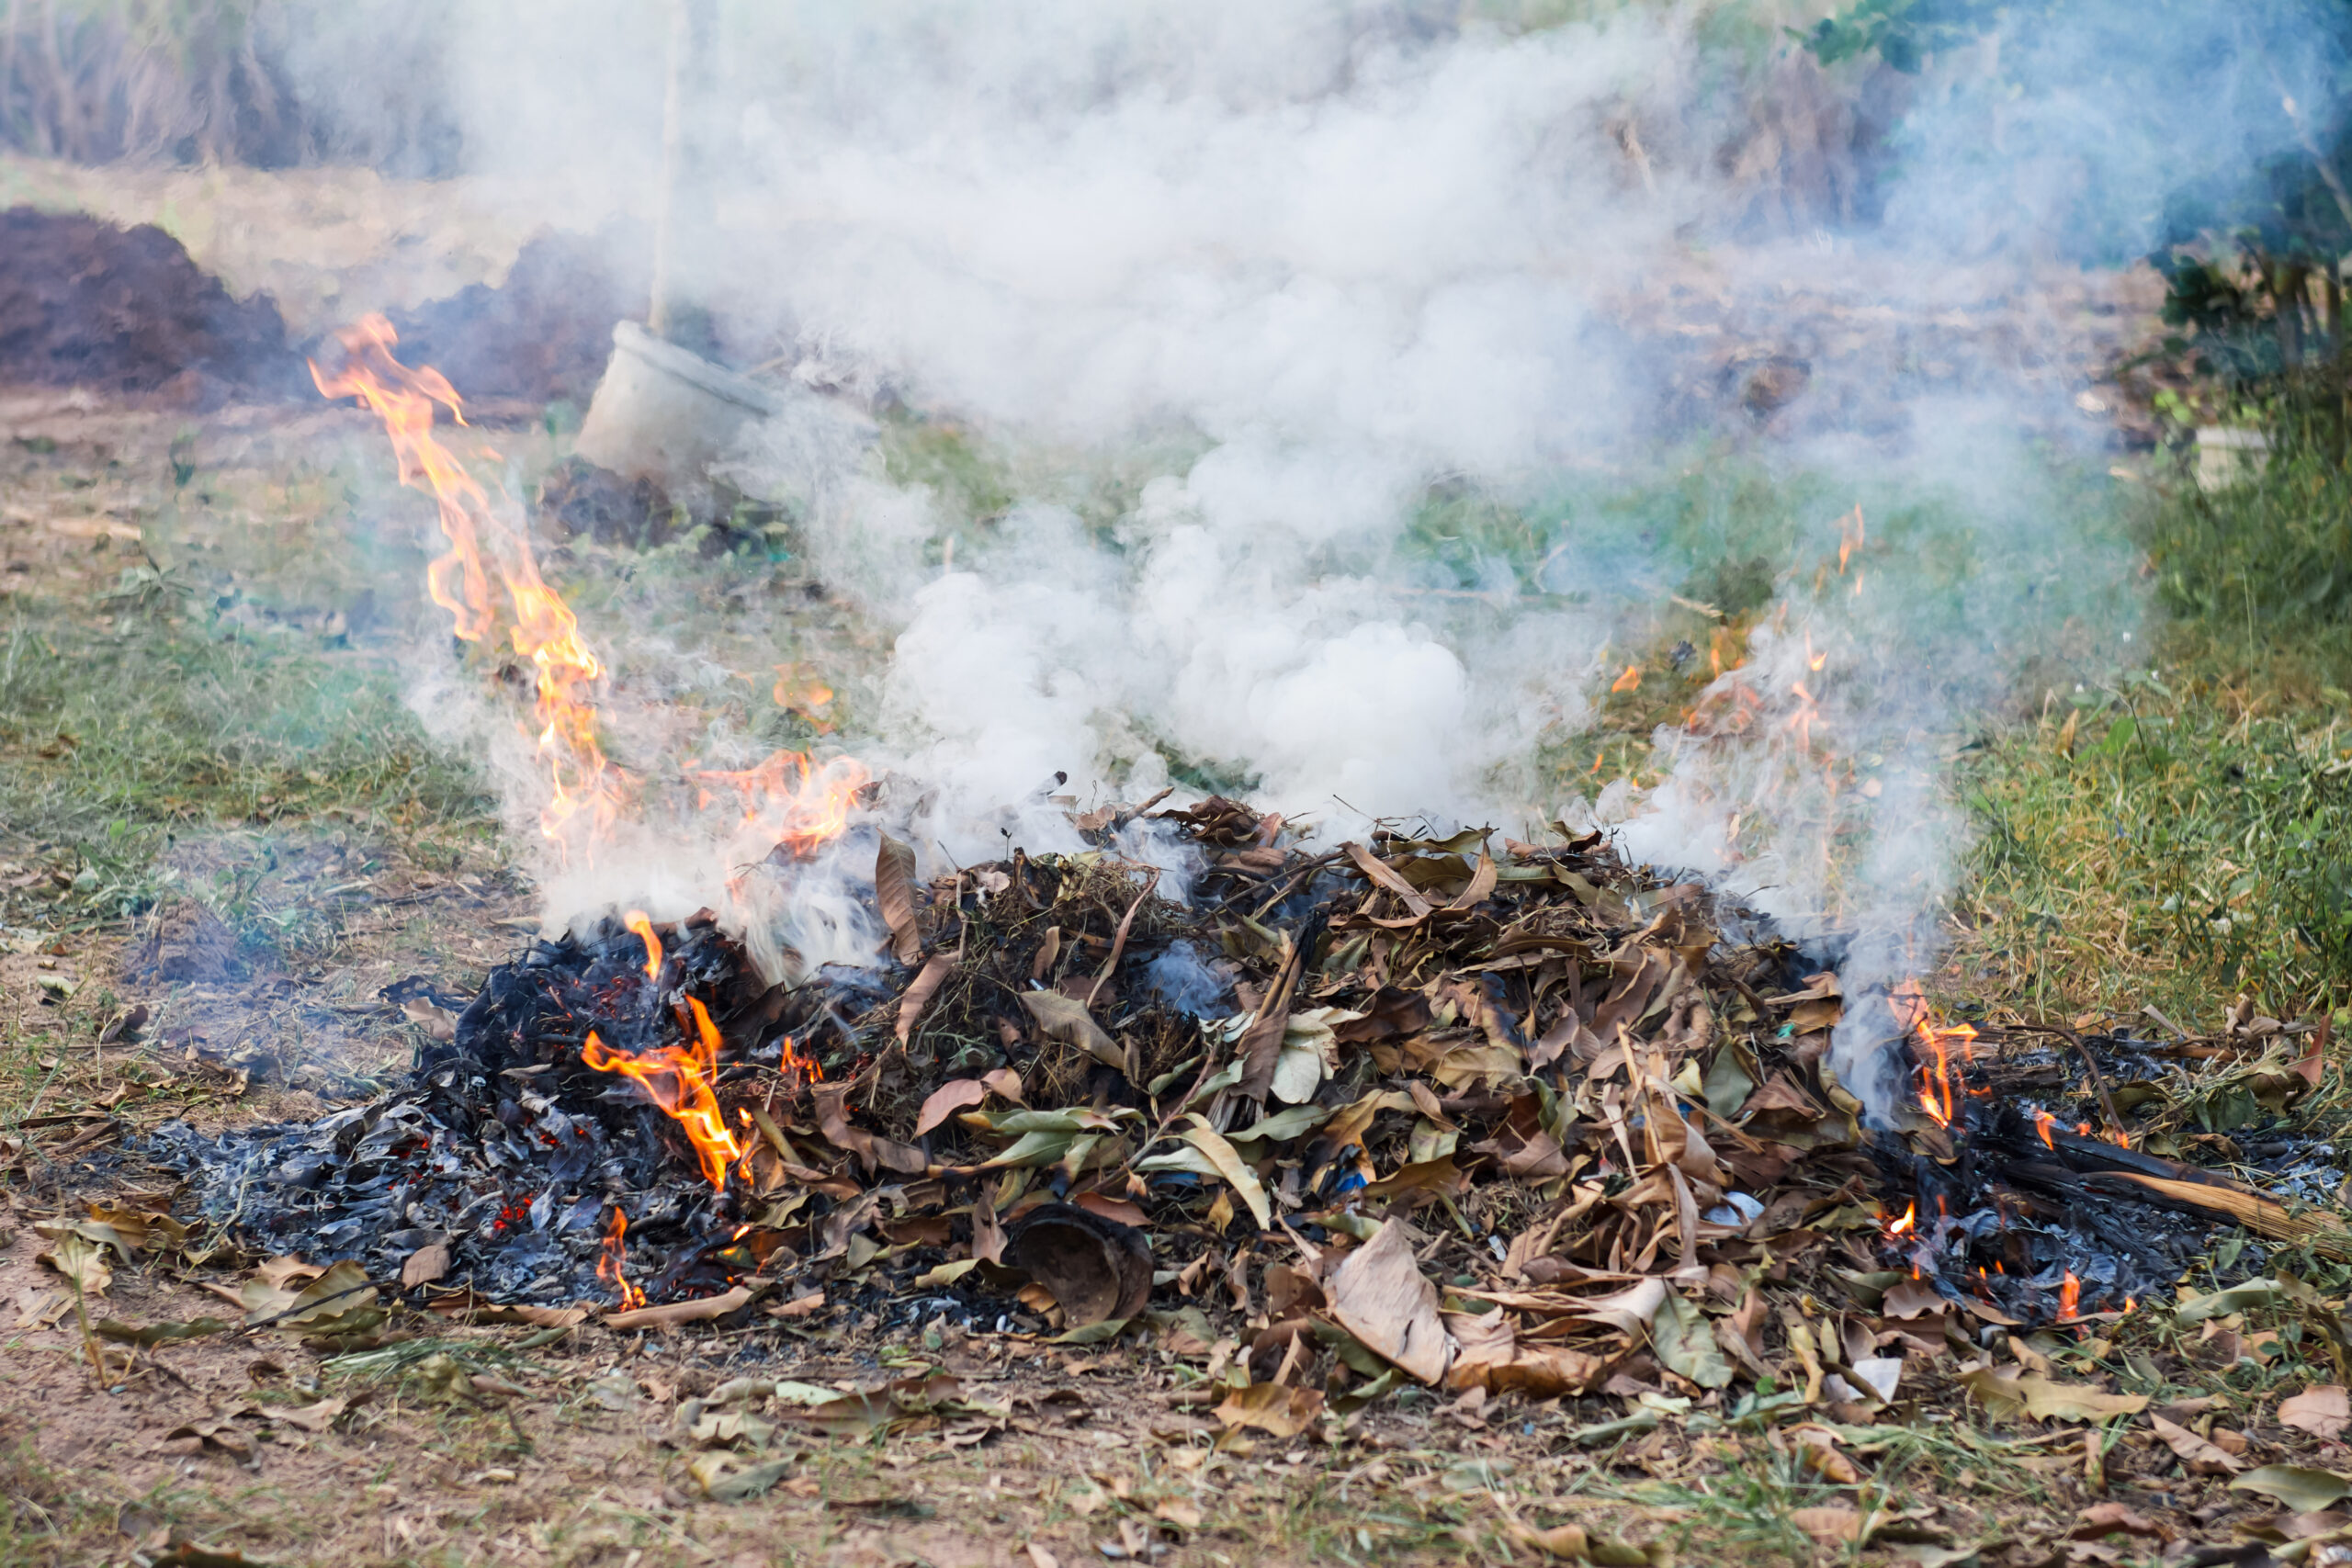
[113, 735]
[2182, 834]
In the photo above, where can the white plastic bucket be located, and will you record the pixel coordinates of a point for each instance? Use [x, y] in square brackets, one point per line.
[665, 414]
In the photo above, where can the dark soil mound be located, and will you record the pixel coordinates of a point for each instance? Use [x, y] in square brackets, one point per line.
[544, 335]
[86, 303]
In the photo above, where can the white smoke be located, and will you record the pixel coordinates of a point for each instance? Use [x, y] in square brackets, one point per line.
[1311, 266]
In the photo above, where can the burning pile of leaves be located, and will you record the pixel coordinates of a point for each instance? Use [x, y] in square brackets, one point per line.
[1498, 1116]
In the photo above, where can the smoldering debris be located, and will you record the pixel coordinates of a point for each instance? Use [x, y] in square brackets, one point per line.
[1506, 1115]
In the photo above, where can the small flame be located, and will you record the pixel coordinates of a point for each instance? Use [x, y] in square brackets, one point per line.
[2070, 1298]
[798, 806]
[679, 1080]
[637, 921]
[1850, 538]
[612, 1267]
[1630, 681]
[2043, 1122]
[1903, 1225]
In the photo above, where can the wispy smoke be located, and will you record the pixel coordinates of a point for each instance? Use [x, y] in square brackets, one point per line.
[1336, 264]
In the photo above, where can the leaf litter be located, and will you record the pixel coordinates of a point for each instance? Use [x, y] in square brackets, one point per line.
[1510, 1120]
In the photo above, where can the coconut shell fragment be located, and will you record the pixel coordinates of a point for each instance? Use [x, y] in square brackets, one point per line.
[1096, 1269]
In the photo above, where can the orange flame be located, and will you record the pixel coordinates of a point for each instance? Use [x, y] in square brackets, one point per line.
[611, 1267]
[801, 807]
[1849, 537]
[1903, 1225]
[2043, 1122]
[2070, 1298]
[637, 921]
[679, 1080]
[1630, 681]
[545, 630]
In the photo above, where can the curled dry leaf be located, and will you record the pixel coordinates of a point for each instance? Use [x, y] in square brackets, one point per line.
[2007, 1391]
[894, 893]
[933, 974]
[701, 1311]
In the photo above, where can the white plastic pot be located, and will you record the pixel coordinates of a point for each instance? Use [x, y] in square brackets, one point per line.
[665, 414]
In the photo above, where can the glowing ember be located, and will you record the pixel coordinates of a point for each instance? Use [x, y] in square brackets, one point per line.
[2070, 1298]
[636, 920]
[584, 784]
[611, 1267]
[679, 1080]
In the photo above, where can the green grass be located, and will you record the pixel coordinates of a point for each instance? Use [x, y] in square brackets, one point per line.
[115, 733]
[2182, 833]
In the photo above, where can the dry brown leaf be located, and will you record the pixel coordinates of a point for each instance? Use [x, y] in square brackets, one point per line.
[1831, 1526]
[1271, 1408]
[2108, 1519]
[2321, 1410]
[425, 1265]
[1040, 1557]
[894, 895]
[948, 1099]
[925, 985]
[1817, 1447]
[2007, 1391]
[1066, 1018]
[679, 1311]
[1380, 1295]
[2197, 1456]
[313, 1417]
[81, 1260]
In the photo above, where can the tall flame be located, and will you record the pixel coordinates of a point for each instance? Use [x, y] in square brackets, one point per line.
[584, 784]
[680, 1079]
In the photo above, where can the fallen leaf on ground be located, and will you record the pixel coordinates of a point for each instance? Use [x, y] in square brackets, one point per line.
[2005, 1391]
[81, 1260]
[1830, 1525]
[1040, 1557]
[2108, 1518]
[2323, 1410]
[313, 1417]
[1271, 1408]
[2197, 1456]
[153, 1335]
[948, 1099]
[1380, 1295]
[425, 1265]
[663, 1317]
[2300, 1487]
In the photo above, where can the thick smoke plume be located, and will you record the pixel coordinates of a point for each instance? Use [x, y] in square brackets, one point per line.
[1262, 295]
